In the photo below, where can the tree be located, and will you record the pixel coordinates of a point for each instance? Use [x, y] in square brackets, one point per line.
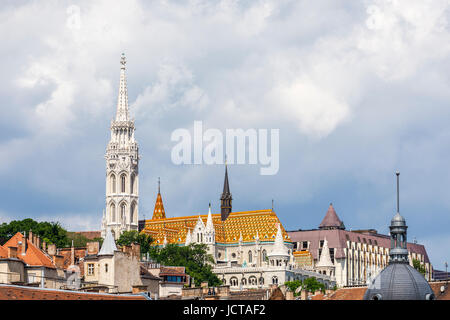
[293, 286]
[194, 258]
[312, 285]
[419, 266]
[133, 236]
[50, 232]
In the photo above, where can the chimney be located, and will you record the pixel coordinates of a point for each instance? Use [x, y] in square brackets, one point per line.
[52, 249]
[12, 252]
[38, 242]
[72, 255]
[58, 261]
[93, 247]
[30, 236]
[44, 246]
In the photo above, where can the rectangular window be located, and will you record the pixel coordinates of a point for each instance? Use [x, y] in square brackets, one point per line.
[90, 269]
[321, 244]
[305, 245]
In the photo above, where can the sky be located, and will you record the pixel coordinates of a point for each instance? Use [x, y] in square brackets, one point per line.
[357, 89]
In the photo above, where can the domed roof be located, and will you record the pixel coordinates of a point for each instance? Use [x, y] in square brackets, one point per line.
[399, 281]
[398, 220]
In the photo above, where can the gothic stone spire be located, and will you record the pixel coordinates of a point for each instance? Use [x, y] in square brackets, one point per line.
[122, 101]
[225, 199]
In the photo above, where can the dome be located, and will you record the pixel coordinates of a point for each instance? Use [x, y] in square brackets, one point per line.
[399, 281]
[398, 220]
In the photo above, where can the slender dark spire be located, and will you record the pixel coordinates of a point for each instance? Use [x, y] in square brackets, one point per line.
[398, 191]
[225, 199]
[159, 185]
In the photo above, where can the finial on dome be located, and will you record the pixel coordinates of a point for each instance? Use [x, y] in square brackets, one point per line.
[123, 60]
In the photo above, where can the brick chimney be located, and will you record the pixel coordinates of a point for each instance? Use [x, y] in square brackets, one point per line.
[58, 261]
[44, 246]
[12, 252]
[52, 249]
[38, 242]
[93, 247]
[30, 236]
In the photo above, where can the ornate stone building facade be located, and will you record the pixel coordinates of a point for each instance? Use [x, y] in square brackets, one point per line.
[122, 168]
[251, 249]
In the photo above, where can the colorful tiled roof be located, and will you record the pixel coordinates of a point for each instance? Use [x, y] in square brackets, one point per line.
[3, 252]
[158, 212]
[248, 223]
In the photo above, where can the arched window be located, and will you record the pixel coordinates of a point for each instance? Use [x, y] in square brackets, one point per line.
[264, 255]
[132, 184]
[132, 213]
[113, 184]
[123, 180]
[123, 209]
[249, 256]
[234, 282]
[261, 280]
[244, 281]
[274, 280]
[113, 212]
[252, 281]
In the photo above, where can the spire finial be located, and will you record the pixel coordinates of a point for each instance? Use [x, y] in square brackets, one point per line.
[123, 61]
[272, 204]
[159, 185]
[398, 191]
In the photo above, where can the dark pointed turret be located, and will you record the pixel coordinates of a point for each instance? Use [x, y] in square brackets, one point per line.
[225, 199]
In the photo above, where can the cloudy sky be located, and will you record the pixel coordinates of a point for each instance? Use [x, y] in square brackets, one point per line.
[358, 89]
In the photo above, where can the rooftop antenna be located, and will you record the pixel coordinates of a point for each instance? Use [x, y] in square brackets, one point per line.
[398, 191]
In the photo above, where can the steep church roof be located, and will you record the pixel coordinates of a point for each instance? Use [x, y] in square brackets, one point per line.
[109, 245]
[325, 259]
[331, 220]
[158, 212]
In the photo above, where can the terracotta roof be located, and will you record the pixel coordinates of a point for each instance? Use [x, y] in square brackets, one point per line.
[164, 271]
[90, 234]
[331, 219]
[158, 212]
[436, 287]
[3, 252]
[33, 256]
[247, 223]
[354, 293]
[337, 239]
[10, 292]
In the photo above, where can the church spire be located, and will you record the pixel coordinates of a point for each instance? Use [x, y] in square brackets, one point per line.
[122, 113]
[158, 212]
[225, 199]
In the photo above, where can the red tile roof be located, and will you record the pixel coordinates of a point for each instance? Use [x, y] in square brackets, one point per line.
[331, 219]
[3, 252]
[436, 287]
[10, 292]
[355, 293]
[90, 234]
[33, 256]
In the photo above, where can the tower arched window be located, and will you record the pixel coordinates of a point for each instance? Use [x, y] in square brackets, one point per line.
[264, 255]
[250, 256]
[132, 213]
[123, 209]
[113, 183]
[132, 184]
[123, 180]
[113, 212]
[274, 280]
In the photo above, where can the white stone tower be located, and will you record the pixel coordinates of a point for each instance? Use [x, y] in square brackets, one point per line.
[122, 163]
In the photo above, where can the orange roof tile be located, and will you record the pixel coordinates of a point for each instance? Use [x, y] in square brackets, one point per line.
[158, 212]
[3, 252]
[33, 255]
[248, 223]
